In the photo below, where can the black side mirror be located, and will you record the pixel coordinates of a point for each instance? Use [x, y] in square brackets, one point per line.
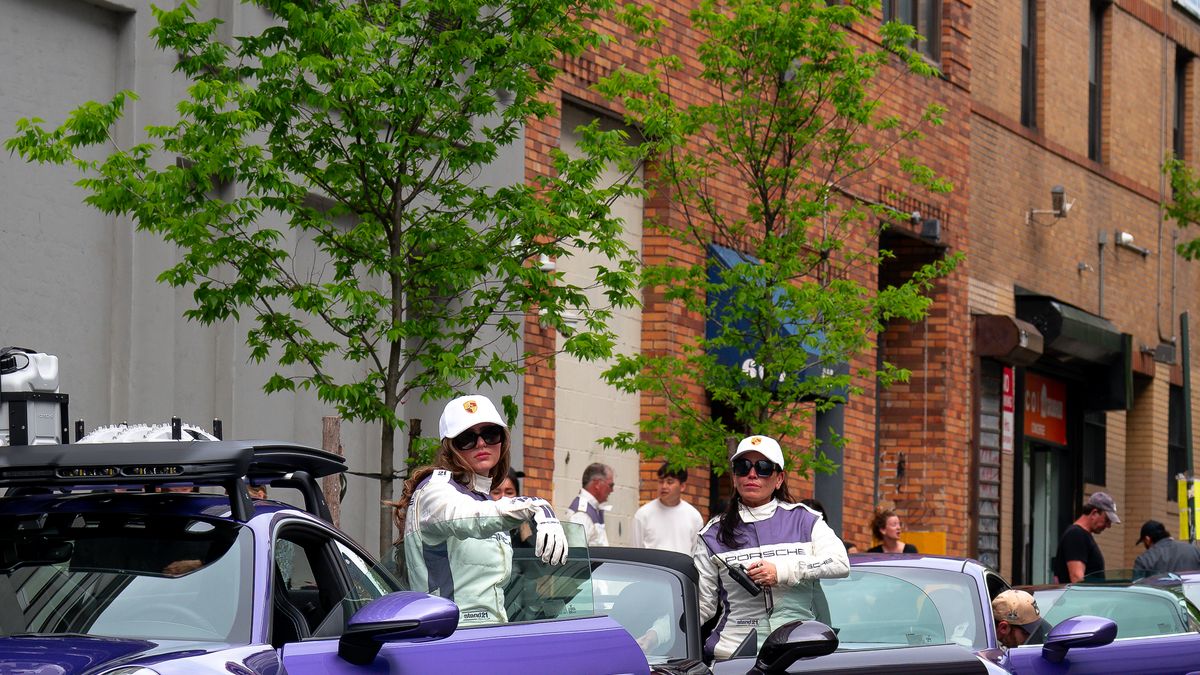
[404, 616]
[793, 641]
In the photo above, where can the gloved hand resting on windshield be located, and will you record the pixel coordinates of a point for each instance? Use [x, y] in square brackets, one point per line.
[551, 542]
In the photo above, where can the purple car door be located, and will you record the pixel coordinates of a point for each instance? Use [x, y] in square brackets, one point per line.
[1162, 655]
[587, 645]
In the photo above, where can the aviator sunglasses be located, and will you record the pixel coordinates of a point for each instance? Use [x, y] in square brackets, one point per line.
[467, 440]
[763, 467]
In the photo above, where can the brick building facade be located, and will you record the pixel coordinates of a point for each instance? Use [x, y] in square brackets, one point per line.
[1089, 96]
[935, 447]
[921, 428]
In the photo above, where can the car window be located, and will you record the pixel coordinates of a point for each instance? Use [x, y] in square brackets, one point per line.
[125, 575]
[472, 562]
[904, 607]
[367, 581]
[647, 601]
[1138, 612]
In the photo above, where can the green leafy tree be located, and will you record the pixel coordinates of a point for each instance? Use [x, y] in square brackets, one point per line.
[362, 127]
[1184, 205]
[766, 162]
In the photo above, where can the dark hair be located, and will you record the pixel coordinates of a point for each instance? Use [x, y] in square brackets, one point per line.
[451, 460]
[815, 505]
[727, 532]
[880, 521]
[665, 471]
[515, 477]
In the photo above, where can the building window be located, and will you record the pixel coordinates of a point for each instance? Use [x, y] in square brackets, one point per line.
[1183, 63]
[1095, 448]
[1176, 450]
[1029, 63]
[925, 16]
[1099, 11]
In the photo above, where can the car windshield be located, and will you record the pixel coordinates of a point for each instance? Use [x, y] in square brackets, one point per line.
[488, 568]
[904, 606]
[1138, 611]
[647, 601]
[125, 575]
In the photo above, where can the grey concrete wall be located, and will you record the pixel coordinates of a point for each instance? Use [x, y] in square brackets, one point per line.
[81, 285]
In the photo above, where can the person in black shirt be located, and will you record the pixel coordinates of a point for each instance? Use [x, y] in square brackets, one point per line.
[1078, 555]
[886, 528]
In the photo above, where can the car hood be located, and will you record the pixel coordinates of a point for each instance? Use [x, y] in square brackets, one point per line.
[79, 654]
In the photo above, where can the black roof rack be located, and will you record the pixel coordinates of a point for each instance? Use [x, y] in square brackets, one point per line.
[225, 463]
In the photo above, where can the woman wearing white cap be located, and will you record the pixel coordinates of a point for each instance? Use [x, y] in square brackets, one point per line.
[782, 547]
[455, 537]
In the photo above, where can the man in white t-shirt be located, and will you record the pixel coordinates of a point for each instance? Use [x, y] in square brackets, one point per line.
[667, 523]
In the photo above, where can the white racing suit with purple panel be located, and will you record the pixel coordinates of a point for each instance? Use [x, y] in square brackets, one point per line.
[457, 546]
[803, 549]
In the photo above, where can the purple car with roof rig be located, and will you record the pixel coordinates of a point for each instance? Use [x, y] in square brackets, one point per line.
[105, 575]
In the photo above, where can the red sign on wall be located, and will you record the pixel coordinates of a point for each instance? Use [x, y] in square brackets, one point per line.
[1045, 409]
[1007, 410]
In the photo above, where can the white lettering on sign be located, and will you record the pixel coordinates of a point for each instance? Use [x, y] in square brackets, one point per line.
[754, 371]
[1044, 404]
[1051, 407]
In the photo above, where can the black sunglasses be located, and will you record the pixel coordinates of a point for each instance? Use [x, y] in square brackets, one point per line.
[467, 440]
[763, 467]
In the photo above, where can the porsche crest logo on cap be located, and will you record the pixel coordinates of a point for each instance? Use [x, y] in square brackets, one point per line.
[470, 406]
[756, 440]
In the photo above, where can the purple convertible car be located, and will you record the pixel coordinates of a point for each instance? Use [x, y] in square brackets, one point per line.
[102, 573]
[903, 614]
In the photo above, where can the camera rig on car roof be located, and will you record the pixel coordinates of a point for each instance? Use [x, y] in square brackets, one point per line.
[227, 464]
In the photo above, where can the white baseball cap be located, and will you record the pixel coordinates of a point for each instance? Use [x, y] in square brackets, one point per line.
[768, 446]
[465, 412]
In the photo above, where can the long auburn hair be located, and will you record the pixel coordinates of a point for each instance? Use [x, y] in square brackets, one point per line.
[732, 518]
[451, 460]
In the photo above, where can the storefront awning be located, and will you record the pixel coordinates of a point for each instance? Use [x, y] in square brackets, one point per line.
[1077, 338]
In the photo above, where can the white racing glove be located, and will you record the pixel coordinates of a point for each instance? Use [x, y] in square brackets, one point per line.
[551, 544]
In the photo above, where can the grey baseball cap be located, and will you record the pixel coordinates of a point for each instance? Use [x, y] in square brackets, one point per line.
[1104, 502]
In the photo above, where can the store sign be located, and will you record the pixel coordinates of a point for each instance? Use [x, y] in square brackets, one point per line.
[1190, 6]
[1007, 409]
[1045, 409]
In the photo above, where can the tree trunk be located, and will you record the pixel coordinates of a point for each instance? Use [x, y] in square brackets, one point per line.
[331, 441]
[387, 467]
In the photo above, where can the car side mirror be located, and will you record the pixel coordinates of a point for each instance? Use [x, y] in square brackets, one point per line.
[793, 641]
[1079, 631]
[405, 616]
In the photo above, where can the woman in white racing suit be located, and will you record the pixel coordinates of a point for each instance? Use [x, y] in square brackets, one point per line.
[780, 548]
[454, 539]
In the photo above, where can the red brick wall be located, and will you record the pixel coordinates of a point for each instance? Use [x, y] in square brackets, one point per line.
[667, 327]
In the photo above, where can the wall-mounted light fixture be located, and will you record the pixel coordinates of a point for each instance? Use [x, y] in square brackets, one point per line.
[930, 229]
[1059, 206]
[1125, 240]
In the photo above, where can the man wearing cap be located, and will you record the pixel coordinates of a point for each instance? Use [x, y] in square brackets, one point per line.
[587, 509]
[1017, 618]
[1163, 554]
[1078, 555]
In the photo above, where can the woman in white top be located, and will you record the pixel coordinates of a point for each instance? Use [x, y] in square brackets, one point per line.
[454, 539]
